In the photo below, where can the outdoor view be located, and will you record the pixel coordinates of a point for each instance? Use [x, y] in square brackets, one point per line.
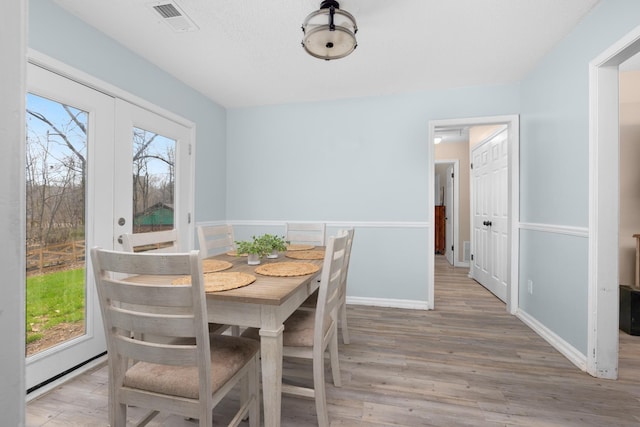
[56, 175]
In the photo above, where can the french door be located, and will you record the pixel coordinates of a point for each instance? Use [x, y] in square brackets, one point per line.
[96, 165]
[490, 214]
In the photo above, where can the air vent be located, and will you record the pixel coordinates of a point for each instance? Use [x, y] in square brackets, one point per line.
[173, 16]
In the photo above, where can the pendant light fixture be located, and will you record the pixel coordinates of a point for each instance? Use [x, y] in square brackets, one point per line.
[329, 33]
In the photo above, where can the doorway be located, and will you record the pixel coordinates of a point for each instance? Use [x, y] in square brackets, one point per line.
[512, 125]
[604, 208]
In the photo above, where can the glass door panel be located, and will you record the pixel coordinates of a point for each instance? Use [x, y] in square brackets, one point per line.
[155, 174]
[56, 151]
[153, 181]
[68, 125]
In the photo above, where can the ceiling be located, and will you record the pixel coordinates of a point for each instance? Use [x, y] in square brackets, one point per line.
[248, 52]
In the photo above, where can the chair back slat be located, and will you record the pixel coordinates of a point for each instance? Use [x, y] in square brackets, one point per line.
[165, 241]
[148, 294]
[305, 233]
[160, 353]
[172, 324]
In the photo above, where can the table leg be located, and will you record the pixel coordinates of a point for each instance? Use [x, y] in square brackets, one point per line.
[271, 353]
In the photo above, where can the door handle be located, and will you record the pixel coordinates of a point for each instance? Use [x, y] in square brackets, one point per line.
[487, 223]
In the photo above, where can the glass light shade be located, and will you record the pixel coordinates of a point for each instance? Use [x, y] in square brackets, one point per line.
[321, 41]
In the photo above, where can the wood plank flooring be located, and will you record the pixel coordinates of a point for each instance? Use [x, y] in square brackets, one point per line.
[467, 363]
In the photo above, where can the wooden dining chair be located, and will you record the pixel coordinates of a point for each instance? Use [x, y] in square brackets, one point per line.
[165, 241]
[305, 233]
[184, 370]
[309, 334]
[215, 239]
[311, 302]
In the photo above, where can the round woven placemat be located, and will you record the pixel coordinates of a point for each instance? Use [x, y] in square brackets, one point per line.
[299, 247]
[287, 269]
[306, 255]
[216, 282]
[213, 265]
[235, 253]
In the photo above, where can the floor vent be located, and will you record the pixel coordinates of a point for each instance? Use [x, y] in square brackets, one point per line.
[467, 251]
[173, 16]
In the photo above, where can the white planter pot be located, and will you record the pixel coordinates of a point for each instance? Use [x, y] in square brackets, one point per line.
[253, 259]
[273, 254]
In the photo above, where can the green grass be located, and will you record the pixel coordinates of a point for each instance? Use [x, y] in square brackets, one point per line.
[53, 299]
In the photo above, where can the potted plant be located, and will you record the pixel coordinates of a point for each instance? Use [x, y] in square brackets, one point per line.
[275, 243]
[254, 249]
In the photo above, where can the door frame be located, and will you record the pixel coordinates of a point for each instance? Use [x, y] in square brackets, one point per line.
[55, 66]
[513, 129]
[456, 206]
[604, 207]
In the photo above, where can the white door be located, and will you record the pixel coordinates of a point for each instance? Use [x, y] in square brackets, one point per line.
[449, 220]
[95, 165]
[69, 151]
[153, 175]
[490, 214]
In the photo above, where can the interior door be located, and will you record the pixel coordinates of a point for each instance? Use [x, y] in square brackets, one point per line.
[448, 202]
[489, 265]
[69, 154]
[154, 175]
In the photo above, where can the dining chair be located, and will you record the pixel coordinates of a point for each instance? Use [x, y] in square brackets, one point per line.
[312, 301]
[165, 241]
[309, 334]
[215, 239]
[184, 370]
[305, 233]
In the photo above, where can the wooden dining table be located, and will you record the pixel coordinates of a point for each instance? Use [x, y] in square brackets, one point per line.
[265, 304]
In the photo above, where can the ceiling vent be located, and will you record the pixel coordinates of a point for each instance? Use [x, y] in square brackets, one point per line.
[173, 16]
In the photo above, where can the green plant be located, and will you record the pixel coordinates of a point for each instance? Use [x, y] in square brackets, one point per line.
[254, 246]
[276, 243]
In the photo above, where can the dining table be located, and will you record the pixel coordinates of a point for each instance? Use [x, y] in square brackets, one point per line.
[265, 304]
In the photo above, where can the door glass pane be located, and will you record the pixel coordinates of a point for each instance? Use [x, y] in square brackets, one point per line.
[56, 152]
[153, 181]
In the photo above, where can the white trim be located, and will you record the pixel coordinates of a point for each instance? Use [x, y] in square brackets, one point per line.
[359, 224]
[385, 302]
[513, 128]
[566, 349]
[556, 229]
[603, 297]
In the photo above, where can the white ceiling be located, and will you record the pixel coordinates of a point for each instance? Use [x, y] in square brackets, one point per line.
[248, 52]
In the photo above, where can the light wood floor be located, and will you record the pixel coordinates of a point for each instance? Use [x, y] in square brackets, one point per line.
[467, 363]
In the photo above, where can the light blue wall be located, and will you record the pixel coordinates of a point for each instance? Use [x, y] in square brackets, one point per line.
[554, 170]
[357, 160]
[62, 36]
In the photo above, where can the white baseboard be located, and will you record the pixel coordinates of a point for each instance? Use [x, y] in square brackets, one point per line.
[566, 349]
[384, 302]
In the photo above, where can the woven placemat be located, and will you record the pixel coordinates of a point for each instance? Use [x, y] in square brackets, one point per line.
[306, 255]
[299, 247]
[216, 282]
[213, 265]
[287, 269]
[235, 253]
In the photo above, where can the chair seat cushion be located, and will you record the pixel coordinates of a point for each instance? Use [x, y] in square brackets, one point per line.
[298, 330]
[228, 356]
